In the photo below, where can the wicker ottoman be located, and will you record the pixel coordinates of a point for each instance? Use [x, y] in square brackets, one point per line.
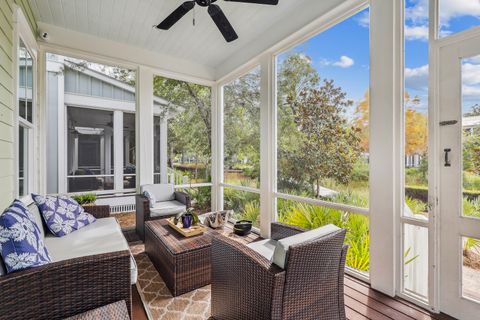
[183, 263]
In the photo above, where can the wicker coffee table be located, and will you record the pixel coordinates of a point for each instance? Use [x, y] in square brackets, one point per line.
[183, 263]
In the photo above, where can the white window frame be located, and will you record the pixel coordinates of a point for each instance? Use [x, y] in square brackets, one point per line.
[23, 34]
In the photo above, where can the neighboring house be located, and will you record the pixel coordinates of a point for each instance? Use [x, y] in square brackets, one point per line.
[91, 121]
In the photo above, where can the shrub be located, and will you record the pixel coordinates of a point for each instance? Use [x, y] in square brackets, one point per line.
[357, 226]
[86, 198]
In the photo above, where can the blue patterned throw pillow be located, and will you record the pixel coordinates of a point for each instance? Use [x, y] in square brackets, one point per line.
[21, 243]
[62, 214]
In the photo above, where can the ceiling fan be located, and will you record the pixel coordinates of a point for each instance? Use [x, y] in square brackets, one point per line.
[214, 11]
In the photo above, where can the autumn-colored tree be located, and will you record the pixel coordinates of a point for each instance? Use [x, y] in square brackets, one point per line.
[361, 121]
[416, 127]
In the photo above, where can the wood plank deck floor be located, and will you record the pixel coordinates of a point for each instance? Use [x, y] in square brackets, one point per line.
[361, 301]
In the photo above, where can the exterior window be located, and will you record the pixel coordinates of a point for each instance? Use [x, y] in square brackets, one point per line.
[323, 134]
[129, 162]
[241, 107]
[99, 109]
[182, 138]
[242, 130]
[26, 68]
[90, 150]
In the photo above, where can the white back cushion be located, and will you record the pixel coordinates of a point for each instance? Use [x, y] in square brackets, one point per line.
[282, 246]
[33, 209]
[161, 192]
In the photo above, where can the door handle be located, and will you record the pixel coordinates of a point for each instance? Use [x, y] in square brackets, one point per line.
[447, 160]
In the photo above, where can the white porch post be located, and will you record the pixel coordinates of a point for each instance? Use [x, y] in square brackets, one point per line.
[62, 130]
[102, 153]
[217, 147]
[75, 154]
[385, 141]
[144, 127]
[108, 152]
[126, 147]
[118, 149]
[267, 143]
[163, 150]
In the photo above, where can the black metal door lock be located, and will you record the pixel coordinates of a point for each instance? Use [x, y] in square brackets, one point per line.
[447, 160]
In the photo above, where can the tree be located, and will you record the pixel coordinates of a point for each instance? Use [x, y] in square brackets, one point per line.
[242, 124]
[330, 146]
[362, 121]
[189, 120]
[471, 151]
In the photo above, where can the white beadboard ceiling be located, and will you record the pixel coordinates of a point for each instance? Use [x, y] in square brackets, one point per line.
[130, 22]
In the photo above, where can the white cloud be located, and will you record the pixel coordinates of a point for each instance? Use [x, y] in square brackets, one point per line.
[343, 62]
[416, 33]
[364, 20]
[417, 15]
[454, 8]
[416, 78]
[471, 78]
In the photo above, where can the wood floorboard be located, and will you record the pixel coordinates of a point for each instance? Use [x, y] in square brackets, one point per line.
[361, 303]
[376, 305]
[354, 315]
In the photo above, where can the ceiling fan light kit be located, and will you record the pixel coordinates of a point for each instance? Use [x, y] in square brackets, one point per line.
[215, 13]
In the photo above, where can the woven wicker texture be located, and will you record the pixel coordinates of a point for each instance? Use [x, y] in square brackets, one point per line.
[183, 263]
[98, 212]
[66, 288]
[113, 311]
[245, 285]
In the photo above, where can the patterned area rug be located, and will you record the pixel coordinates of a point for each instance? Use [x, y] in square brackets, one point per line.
[158, 301]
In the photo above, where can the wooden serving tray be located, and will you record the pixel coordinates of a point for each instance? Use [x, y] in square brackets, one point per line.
[190, 232]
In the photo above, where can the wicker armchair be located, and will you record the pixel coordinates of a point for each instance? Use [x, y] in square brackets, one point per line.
[246, 285]
[66, 288]
[143, 213]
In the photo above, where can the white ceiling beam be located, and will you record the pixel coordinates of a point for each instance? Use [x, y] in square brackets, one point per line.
[85, 45]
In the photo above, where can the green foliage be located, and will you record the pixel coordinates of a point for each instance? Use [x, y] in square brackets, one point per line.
[417, 206]
[246, 205]
[309, 217]
[202, 198]
[85, 198]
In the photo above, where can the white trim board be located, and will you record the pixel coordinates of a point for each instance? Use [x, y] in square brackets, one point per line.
[108, 50]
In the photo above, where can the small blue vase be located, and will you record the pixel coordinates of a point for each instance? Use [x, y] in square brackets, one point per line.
[187, 220]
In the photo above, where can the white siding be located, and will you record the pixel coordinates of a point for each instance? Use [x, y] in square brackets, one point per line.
[7, 103]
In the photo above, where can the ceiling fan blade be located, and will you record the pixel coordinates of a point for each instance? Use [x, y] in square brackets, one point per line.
[222, 23]
[270, 2]
[176, 15]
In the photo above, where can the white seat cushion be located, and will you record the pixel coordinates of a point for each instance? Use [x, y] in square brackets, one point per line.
[264, 247]
[282, 245]
[102, 236]
[161, 192]
[166, 208]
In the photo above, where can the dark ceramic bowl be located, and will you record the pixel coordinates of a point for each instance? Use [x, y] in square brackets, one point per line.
[242, 227]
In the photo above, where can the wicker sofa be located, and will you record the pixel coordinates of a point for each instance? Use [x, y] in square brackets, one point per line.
[91, 267]
[168, 203]
[246, 284]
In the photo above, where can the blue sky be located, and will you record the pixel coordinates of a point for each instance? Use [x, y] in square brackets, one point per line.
[342, 52]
